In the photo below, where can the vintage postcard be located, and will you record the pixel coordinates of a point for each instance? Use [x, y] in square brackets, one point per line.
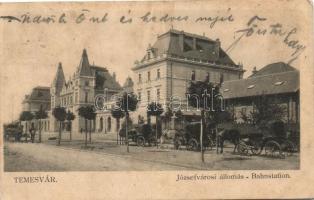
[157, 100]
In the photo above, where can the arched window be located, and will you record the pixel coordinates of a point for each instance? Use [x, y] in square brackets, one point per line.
[109, 124]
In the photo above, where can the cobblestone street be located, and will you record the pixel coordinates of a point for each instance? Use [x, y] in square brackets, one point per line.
[105, 154]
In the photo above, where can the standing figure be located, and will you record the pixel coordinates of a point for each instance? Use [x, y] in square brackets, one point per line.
[32, 131]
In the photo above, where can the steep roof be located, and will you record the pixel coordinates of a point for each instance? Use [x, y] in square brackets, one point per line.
[128, 85]
[39, 93]
[193, 46]
[84, 67]
[276, 83]
[59, 79]
[110, 81]
[278, 67]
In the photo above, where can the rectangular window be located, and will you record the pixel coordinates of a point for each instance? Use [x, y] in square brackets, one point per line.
[221, 78]
[139, 96]
[158, 73]
[148, 95]
[193, 75]
[75, 97]
[148, 75]
[86, 97]
[207, 79]
[140, 78]
[158, 94]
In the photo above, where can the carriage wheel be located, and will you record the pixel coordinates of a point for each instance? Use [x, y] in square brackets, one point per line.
[177, 143]
[272, 148]
[140, 141]
[256, 148]
[288, 148]
[242, 148]
[192, 145]
[152, 141]
[210, 144]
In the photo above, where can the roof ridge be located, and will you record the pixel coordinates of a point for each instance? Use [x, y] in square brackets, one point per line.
[265, 75]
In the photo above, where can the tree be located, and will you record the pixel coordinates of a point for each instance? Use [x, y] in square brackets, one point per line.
[117, 114]
[26, 116]
[155, 109]
[82, 111]
[91, 115]
[39, 115]
[127, 102]
[88, 113]
[60, 114]
[205, 96]
[70, 117]
[266, 110]
[167, 116]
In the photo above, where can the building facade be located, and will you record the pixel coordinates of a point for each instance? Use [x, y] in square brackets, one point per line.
[80, 89]
[39, 98]
[175, 59]
[278, 83]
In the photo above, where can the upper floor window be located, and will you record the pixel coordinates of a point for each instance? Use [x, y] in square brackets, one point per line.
[86, 83]
[75, 97]
[139, 78]
[139, 96]
[193, 75]
[207, 78]
[221, 78]
[158, 94]
[148, 75]
[86, 97]
[148, 95]
[158, 73]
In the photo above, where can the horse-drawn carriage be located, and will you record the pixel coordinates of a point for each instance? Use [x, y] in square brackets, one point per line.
[190, 137]
[140, 135]
[271, 138]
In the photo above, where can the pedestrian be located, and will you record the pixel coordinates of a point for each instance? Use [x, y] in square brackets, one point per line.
[32, 131]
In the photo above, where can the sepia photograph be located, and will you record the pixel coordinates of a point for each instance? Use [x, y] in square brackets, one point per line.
[156, 87]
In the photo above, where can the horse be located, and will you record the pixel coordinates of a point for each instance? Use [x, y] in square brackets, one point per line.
[232, 135]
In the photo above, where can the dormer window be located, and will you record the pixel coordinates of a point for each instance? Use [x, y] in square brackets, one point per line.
[250, 86]
[279, 83]
[148, 55]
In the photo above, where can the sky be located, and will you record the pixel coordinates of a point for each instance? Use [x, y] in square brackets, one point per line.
[30, 52]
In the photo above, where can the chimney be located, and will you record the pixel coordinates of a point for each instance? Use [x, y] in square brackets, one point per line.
[181, 40]
[254, 71]
[217, 47]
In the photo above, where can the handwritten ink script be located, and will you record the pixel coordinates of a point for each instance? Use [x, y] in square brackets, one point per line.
[87, 16]
[254, 28]
[257, 26]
